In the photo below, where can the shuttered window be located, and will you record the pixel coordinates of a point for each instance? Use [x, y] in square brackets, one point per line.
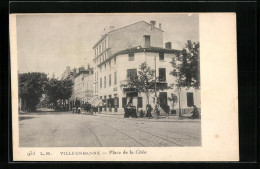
[140, 102]
[190, 100]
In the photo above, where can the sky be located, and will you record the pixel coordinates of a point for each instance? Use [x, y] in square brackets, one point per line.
[50, 42]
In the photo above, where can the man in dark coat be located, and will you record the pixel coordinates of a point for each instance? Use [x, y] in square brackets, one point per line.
[126, 115]
[77, 104]
[149, 110]
[195, 112]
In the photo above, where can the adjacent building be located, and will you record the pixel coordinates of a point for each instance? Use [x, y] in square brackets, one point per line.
[120, 52]
[83, 83]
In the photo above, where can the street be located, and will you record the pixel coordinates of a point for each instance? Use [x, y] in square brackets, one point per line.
[64, 129]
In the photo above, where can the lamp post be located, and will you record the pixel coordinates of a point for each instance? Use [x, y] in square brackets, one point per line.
[155, 90]
[179, 93]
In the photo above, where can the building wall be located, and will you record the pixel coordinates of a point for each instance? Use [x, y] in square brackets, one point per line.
[83, 87]
[133, 35]
[127, 37]
[121, 66]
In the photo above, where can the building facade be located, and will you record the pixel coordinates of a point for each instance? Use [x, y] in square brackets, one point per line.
[83, 83]
[119, 54]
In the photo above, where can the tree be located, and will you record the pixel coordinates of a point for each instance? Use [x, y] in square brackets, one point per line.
[31, 88]
[144, 81]
[59, 90]
[173, 99]
[186, 67]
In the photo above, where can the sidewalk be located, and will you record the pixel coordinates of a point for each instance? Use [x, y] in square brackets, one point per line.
[161, 118]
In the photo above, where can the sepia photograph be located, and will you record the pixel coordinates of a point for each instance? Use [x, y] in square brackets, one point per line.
[106, 80]
[111, 80]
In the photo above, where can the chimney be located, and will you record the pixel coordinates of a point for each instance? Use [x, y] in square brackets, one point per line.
[152, 24]
[160, 26]
[168, 45]
[111, 28]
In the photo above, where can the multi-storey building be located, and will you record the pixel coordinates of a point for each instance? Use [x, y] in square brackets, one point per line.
[120, 52]
[83, 83]
[83, 86]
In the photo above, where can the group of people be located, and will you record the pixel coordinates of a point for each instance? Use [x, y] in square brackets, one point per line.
[130, 111]
[86, 107]
[77, 108]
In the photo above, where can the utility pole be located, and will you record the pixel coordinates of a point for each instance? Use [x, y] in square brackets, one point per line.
[155, 90]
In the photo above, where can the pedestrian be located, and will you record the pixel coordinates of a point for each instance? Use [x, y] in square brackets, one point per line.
[156, 111]
[77, 104]
[141, 113]
[167, 111]
[195, 112]
[126, 115]
[149, 110]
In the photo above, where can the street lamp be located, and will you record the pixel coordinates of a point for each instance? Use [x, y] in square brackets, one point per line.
[155, 90]
[179, 92]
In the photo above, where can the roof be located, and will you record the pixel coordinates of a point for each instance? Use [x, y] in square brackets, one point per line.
[86, 71]
[139, 49]
[103, 37]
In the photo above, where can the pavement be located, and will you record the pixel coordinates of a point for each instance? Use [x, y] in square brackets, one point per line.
[171, 118]
[64, 129]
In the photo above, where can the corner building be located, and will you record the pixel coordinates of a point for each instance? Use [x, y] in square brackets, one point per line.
[120, 52]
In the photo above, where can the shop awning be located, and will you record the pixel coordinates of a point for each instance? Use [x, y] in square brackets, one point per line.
[95, 101]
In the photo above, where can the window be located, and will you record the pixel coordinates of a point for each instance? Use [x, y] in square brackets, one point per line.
[131, 57]
[131, 72]
[162, 74]
[110, 80]
[140, 102]
[100, 83]
[190, 100]
[123, 102]
[115, 77]
[147, 42]
[161, 56]
[105, 82]
[109, 63]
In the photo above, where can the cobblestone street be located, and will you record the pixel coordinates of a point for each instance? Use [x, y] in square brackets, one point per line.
[57, 129]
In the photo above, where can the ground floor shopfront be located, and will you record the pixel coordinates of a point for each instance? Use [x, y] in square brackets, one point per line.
[114, 103]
